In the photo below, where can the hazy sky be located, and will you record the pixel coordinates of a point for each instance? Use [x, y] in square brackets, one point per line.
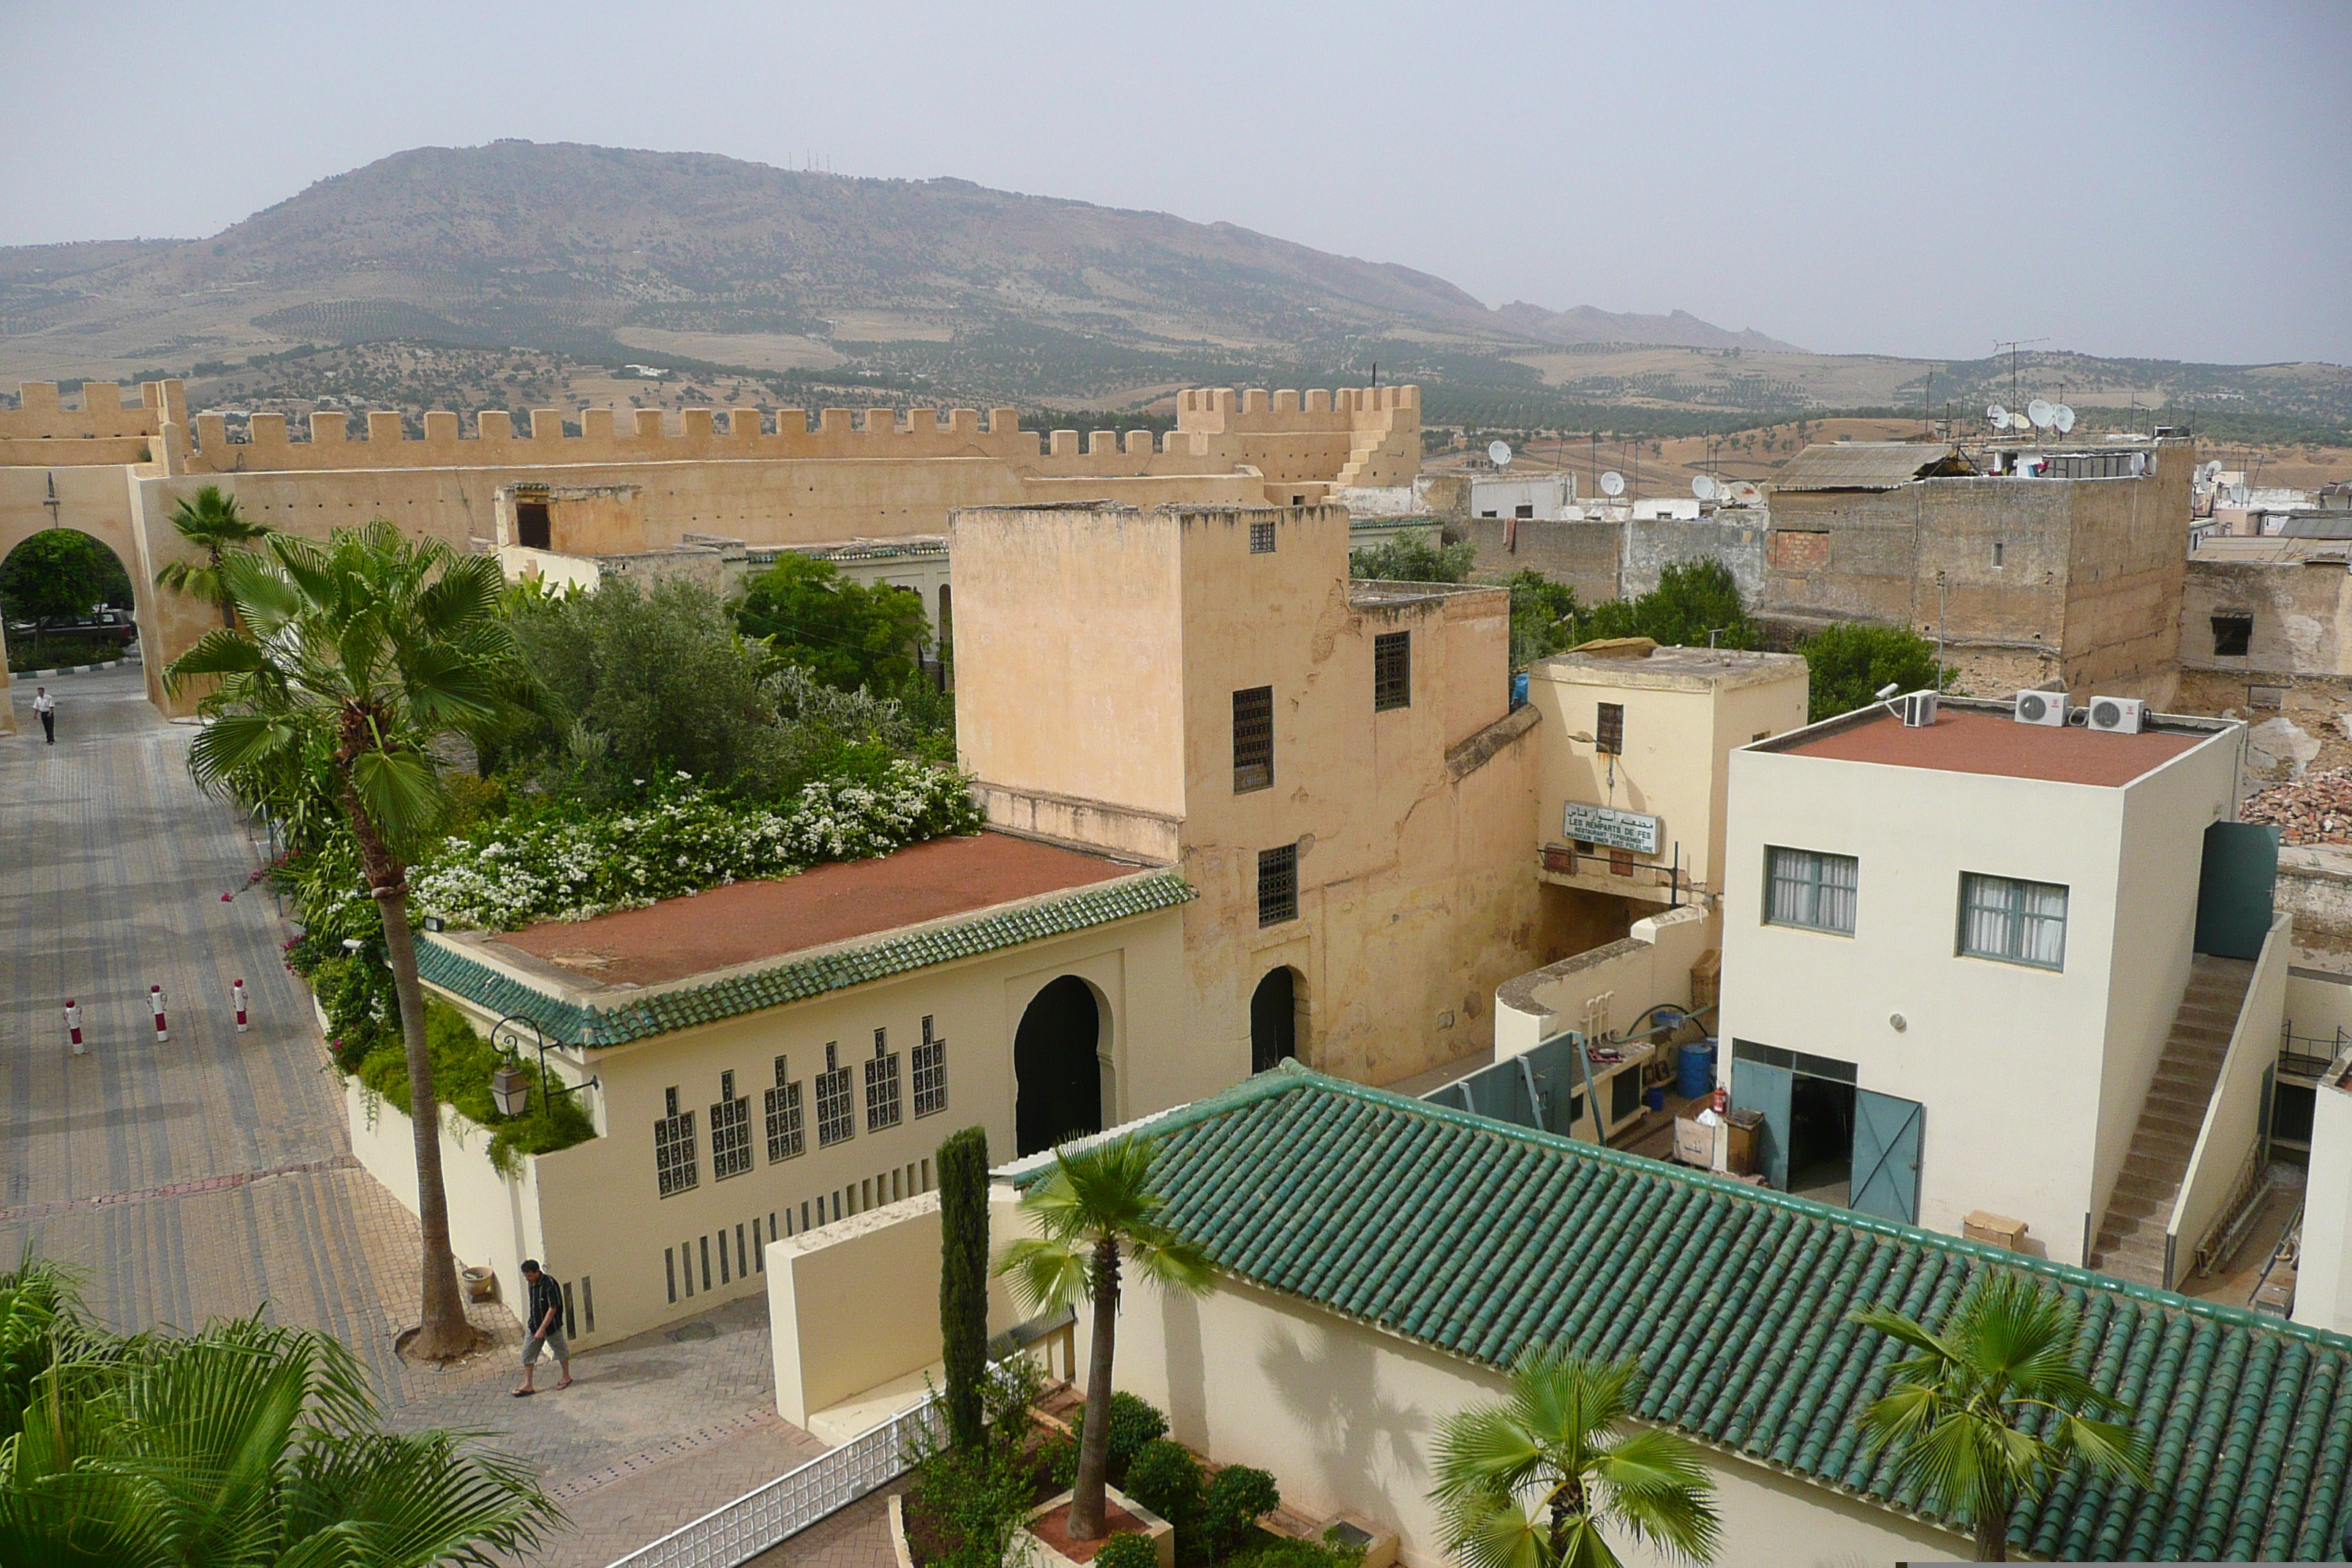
[2135, 179]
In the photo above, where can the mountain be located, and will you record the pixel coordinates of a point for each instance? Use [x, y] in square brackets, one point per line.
[599, 251]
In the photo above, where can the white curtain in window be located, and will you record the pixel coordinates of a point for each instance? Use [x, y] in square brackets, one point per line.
[2045, 924]
[1791, 889]
[1989, 916]
[1839, 877]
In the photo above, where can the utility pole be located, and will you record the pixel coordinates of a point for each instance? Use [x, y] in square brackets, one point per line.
[2013, 344]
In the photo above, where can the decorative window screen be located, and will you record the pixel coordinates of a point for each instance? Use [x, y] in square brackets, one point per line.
[1609, 730]
[1253, 738]
[882, 1103]
[837, 1115]
[1261, 539]
[1391, 671]
[785, 1140]
[930, 1072]
[674, 1166]
[731, 1131]
[1814, 890]
[2012, 920]
[1277, 885]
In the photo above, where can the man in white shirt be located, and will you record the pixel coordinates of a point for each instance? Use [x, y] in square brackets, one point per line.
[46, 707]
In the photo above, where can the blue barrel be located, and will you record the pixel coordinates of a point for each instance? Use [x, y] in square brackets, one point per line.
[1520, 688]
[1694, 1071]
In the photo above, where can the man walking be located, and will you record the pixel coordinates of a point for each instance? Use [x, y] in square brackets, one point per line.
[46, 707]
[542, 1327]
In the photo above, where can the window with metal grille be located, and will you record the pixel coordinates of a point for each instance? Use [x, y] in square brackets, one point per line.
[882, 1085]
[674, 1146]
[1253, 739]
[1814, 890]
[837, 1115]
[2012, 920]
[1277, 885]
[1261, 539]
[785, 1138]
[731, 1131]
[1391, 671]
[930, 1072]
[1609, 730]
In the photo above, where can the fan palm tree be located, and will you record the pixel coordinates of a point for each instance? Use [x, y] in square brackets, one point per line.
[246, 1444]
[363, 651]
[1529, 1483]
[1957, 1408]
[1094, 1206]
[209, 520]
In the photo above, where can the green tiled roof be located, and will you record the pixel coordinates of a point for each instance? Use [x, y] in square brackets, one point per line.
[1481, 1239]
[632, 1016]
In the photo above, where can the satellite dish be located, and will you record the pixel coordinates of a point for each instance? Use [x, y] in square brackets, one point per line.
[2212, 469]
[1997, 417]
[1612, 483]
[1499, 454]
[2064, 418]
[1704, 487]
[1744, 493]
[2041, 413]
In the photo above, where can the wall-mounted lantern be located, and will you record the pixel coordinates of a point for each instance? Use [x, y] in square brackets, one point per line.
[510, 1090]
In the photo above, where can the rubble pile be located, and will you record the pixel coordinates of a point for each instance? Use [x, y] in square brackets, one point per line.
[2316, 809]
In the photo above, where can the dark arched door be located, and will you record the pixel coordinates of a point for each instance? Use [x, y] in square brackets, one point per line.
[1273, 1019]
[1057, 1067]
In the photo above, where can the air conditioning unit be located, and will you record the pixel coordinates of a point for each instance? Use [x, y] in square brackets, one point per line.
[2039, 708]
[2118, 715]
[1917, 709]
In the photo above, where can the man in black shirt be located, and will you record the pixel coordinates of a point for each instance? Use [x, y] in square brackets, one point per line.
[542, 1326]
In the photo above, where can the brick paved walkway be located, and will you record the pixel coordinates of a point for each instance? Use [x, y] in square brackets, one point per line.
[856, 1537]
[207, 1176]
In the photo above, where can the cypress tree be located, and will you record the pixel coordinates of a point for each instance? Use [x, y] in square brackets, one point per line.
[963, 1280]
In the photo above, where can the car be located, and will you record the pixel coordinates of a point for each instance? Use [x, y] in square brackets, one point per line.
[98, 626]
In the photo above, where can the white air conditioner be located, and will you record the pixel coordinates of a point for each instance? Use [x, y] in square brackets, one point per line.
[1917, 709]
[2118, 715]
[2039, 708]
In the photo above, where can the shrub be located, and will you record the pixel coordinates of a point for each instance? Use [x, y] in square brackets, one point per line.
[1848, 663]
[1237, 1498]
[1414, 558]
[1128, 1550]
[54, 653]
[1165, 1478]
[462, 1064]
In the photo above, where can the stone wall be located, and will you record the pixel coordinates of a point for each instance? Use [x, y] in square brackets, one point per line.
[1734, 537]
[1584, 556]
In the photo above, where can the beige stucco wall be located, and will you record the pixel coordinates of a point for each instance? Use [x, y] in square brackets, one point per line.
[2323, 1287]
[2240, 1108]
[600, 1206]
[2012, 1062]
[1650, 967]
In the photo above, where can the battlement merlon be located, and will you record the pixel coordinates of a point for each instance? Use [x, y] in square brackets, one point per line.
[40, 411]
[1225, 410]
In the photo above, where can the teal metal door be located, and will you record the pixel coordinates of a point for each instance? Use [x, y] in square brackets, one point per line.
[2234, 888]
[1886, 1173]
[1758, 1086]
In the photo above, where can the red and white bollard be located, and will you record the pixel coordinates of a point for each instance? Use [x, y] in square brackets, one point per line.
[237, 991]
[155, 1001]
[73, 1026]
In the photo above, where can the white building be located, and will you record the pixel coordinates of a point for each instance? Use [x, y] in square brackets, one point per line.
[1991, 968]
[1544, 498]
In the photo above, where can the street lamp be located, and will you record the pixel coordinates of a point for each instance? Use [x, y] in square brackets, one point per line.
[509, 1089]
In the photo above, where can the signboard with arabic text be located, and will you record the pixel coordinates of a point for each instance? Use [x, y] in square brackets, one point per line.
[1611, 828]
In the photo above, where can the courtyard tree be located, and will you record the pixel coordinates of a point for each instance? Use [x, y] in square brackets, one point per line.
[963, 1281]
[60, 571]
[1847, 664]
[1533, 1481]
[1988, 1411]
[847, 634]
[243, 1443]
[356, 658]
[1093, 1210]
[1696, 602]
[210, 521]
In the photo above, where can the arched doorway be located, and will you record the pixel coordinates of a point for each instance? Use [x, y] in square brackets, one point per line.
[1058, 1067]
[65, 599]
[1273, 1019]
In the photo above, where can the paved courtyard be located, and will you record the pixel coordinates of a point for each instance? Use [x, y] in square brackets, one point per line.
[212, 1176]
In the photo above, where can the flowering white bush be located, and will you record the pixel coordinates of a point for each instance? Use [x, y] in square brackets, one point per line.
[681, 841]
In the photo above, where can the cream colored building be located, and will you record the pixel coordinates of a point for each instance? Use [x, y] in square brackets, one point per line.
[765, 481]
[1336, 766]
[1955, 957]
[772, 1057]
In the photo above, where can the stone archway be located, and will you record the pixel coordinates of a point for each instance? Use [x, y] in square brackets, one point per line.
[1273, 1018]
[1058, 1067]
[128, 594]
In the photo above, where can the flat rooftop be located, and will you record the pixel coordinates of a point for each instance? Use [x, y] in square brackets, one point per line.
[1669, 667]
[1988, 740]
[748, 922]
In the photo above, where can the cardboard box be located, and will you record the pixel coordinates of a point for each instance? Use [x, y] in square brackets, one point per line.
[1693, 1143]
[1994, 1229]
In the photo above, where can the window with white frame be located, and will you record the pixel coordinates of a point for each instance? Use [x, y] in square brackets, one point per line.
[930, 1072]
[2012, 920]
[882, 1103]
[1806, 887]
[836, 1114]
[785, 1140]
[674, 1166]
[731, 1131]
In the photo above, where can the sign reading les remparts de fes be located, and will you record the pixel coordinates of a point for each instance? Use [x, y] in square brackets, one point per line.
[1611, 828]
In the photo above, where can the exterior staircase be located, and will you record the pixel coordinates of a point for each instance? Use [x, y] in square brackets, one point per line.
[2130, 1244]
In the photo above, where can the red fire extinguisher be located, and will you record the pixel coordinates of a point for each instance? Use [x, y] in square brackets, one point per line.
[1722, 1100]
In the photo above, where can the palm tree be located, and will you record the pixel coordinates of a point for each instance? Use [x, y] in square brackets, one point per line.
[364, 652]
[246, 1444]
[1092, 1205]
[1529, 1483]
[1958, 1408]
[209, 520]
